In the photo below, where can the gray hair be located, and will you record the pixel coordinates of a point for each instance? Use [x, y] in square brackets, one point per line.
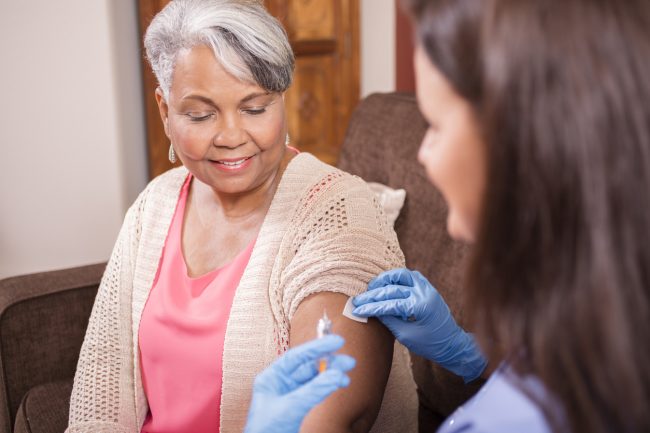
[247, 41]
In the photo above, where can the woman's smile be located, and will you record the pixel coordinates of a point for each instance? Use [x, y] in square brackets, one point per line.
[232, 165]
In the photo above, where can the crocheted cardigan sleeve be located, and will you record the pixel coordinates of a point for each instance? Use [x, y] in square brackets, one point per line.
[339, 239]
[105, 366]
[107, 394]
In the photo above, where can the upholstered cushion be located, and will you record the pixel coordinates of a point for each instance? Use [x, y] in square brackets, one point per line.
[44, 408]
[381, 145]
[43, 319]
[392, 200]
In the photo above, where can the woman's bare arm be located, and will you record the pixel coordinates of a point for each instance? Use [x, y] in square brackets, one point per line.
[355, 408]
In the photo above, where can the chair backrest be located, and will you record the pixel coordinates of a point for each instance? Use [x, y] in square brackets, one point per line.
[43, 319]
[381, 145]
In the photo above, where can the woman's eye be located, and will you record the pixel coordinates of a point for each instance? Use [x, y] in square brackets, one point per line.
[198, 117]
[254, 111]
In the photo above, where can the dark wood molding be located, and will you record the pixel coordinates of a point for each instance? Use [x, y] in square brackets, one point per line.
[404, 73]
[157, 141]
[314, 47]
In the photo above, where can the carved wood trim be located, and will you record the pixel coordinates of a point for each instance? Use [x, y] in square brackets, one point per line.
[157, 141]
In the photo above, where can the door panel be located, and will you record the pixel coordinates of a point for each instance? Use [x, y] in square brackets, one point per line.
[310, 19]
[312, 114]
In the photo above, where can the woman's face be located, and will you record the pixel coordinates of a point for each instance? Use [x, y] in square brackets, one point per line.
[228, 133]
[452, 150]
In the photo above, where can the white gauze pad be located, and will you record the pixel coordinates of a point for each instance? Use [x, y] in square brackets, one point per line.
[347, 312]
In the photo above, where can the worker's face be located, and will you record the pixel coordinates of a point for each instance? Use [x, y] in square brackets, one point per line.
[452, 150]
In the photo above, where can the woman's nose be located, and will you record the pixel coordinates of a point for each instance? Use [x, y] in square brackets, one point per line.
[230, 134]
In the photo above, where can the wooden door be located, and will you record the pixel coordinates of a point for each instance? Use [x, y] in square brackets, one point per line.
[324, 35]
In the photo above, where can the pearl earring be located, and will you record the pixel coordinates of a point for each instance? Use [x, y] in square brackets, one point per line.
[287, 140]
[172, 154]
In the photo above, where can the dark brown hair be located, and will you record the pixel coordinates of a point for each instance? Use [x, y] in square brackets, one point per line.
[560, 276]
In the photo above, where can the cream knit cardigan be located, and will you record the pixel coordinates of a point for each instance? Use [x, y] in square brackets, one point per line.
[324, 231]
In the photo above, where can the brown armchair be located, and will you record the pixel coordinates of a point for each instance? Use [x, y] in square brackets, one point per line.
[43, 316]
[43, 319]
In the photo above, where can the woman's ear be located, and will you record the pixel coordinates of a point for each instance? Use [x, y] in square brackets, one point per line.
[163, 109]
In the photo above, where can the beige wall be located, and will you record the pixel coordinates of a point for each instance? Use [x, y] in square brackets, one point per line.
[70, 130]
[377, 46]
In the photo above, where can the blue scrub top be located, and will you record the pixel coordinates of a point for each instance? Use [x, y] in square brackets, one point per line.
[501, 407]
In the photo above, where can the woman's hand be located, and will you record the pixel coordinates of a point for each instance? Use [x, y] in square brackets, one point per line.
[413, 310]
[289, 388]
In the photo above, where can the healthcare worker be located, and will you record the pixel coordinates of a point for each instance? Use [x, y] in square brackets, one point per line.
[539, 141]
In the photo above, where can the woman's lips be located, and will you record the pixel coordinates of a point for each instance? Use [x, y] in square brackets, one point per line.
[232, 164]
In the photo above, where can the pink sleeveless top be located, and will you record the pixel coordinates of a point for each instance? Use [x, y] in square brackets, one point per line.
[181, 337]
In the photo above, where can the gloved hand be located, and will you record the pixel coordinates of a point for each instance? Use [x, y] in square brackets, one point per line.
[413, 310]
[289, 388]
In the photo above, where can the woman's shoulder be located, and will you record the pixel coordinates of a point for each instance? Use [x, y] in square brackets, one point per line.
[163, 186]
[170, 180]
[507, 403]
[321, 180]
[157, 201]
[330, 202]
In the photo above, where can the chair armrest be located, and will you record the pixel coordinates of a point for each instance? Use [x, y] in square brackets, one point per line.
[45, 408]
[43, 320]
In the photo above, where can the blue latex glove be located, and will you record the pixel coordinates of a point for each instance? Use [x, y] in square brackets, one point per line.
[289, 388]
[413, 310]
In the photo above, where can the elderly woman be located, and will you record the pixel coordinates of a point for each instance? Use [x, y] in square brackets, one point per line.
[223, 264]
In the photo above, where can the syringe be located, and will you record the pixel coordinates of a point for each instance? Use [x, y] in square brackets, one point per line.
[323, 328]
